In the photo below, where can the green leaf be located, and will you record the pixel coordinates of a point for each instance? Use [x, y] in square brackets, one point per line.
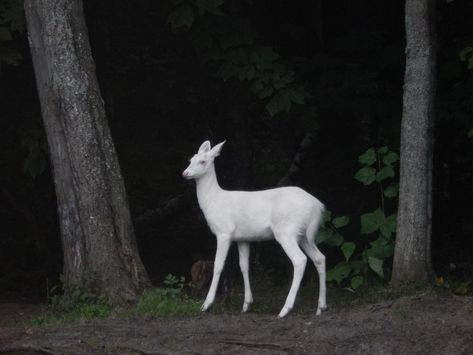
[340, 222]
[327, 216]
[357, 266]
[327, 236]
[338, 273]
[385, 173]
[348, 248]
[376, 265]
[228, 70]
[210, 6]
[389, 226]
[366, 175]
[278, 103]
[182, 16]
[465, 53]
[266, 92]
[246, 73]
[370, 222]
[368, 157]
[336, 240]
[383, 150]
[391, 191]
[390, 158]
[297, 94]
[322, 235]
[381, 248]
[356, 281]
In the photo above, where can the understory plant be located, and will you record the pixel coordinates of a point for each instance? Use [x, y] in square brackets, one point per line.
[168, 300]
[366, 258]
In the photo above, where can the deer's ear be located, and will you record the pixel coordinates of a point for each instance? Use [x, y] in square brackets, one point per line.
[204, 147]
[215, 152]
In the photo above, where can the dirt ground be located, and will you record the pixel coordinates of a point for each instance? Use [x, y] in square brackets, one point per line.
[409, 325]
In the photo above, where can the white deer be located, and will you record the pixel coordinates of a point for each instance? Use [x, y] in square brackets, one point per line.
[289, 215]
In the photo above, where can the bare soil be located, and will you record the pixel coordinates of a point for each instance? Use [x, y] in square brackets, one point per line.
[409, 325]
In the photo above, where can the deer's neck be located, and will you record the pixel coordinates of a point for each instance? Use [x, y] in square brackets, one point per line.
[208, 189]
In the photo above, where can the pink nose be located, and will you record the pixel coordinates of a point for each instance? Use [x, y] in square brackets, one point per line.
[185, 173]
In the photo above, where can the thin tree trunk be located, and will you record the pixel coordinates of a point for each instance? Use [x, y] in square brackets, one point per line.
[412, 257]
[96, 230]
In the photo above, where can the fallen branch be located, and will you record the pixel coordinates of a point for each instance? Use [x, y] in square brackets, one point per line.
[255, 344]
[169, 208]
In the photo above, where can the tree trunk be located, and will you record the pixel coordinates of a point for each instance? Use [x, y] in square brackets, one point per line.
[96, 230]
[412, 258]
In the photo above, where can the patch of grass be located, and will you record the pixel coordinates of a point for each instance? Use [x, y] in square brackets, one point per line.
[75, 314]
[268, 299]
[159, 302]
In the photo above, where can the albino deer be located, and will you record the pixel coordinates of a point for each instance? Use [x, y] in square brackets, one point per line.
[289, 215]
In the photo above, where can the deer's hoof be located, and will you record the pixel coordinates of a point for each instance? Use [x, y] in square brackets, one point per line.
[284, 312]
[205, 306]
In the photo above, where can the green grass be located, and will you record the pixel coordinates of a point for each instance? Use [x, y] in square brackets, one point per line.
[158, 302]
[77, 313]
[268, 299]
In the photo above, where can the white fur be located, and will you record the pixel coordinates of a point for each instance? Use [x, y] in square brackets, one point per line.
[289, 215]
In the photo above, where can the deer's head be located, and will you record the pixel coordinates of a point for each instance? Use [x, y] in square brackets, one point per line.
[203, 161]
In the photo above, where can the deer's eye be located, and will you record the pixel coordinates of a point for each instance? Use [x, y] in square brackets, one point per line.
[202, 162]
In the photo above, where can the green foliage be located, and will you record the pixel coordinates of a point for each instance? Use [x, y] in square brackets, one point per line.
[182, 16]
[231, 46]
[348, 249]
[329, 237]
[368, 158]
[371, 222]
[84, 303]
[169, 300]
[80, 302]
[159, 302]
[340, 222]
[366, 175]
[185, 12]
[356, 281]
[79, 312]
[376, 265]
[339, 272]
[11, 21]
[377, 167]
[391, 191]
[77, 297]
[466, 55]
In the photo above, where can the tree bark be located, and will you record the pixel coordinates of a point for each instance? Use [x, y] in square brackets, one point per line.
[96, 230]
[412, 256]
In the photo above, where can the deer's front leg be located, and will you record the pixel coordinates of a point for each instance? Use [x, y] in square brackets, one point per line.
[223, 244]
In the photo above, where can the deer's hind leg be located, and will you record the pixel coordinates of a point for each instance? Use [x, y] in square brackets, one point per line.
[288, 238]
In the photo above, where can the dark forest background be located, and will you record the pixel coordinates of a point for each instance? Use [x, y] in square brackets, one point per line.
[171, 77]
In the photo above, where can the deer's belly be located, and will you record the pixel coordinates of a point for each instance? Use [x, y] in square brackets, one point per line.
[251, 234]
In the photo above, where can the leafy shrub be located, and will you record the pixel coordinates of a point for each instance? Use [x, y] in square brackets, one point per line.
[377, 166]
[169, 300]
